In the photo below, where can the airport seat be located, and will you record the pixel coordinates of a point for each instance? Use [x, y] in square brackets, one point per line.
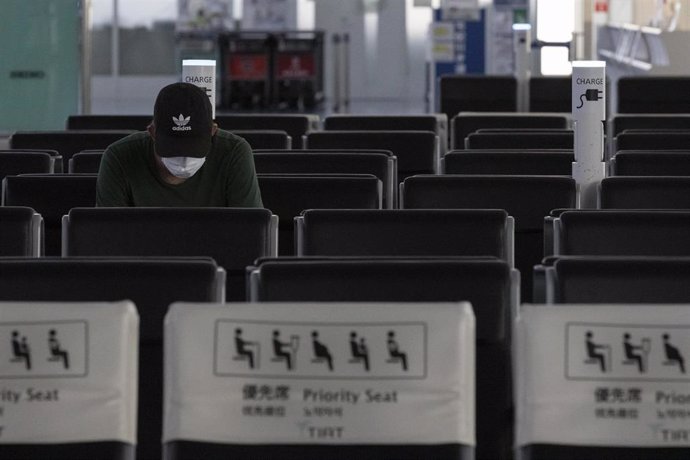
[265, 138]
[76, 397]
[463, 124]
[509, 162]
[625, 121]
[405, 232]
[379, 163]
[652, 140]
[287, 195]
[436, 122]
[85, 163]
[52, 196]
[650, 192]
[528, 199]
[126, 122]
[233, 237]
[66, 143]
[477, 93]
[21, 232]
[619, 279]
[558, 139]
[13, 163]
[488, 284]
[295, 125]
[610, 232]
[550, 94]
[643, 122]
[549, 231]
[55, 158]
[417, 151]
[217, 415]
[151, 283]
[622, 232]
[653, 94]
[570, 380]
[650, 163]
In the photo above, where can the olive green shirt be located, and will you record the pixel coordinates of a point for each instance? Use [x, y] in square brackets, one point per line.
[128, 176]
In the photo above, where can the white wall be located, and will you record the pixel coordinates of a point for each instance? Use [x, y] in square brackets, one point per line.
[621, 11]
[127, 95]
[386, 59]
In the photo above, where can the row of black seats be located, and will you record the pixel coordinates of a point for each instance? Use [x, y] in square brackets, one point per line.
[417, 152]
[658, 162]
[147, 232]
[487, 283]
[419, 142]
[610, 232]
[527, 198]
[498, 93]
[301, 279]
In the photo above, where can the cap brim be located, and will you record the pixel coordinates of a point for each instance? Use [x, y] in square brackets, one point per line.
[197, 147]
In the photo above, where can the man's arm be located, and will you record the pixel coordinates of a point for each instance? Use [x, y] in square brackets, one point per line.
[111, 187]
[243, 187]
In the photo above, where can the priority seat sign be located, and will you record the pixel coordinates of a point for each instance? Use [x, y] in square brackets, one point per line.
[320, 373]
[604, 375]
[68, 372]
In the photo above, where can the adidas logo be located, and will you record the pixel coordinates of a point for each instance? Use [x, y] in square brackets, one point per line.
[181, 123]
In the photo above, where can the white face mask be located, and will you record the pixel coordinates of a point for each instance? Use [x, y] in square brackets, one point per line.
[183, 167]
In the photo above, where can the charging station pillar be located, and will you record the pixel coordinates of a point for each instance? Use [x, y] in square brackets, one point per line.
[589, 115]
[522, 57]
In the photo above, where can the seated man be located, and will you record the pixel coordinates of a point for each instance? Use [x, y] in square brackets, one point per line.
[278, 349]
[183, 159]
[243, 347]
[359, 350]
[320, 350]
[56, 351]
[631, 354]
[673, 355]
[394, 350]
[20, 350]
[593, 351]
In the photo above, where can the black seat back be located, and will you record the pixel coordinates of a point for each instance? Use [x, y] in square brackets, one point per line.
[485, 283]
[265, 138]
[550, 94]
[410, 232]
[52, 196]
[650, 192]
[287, 195]
[380, 164]
[21, 231]
[477, 93]
[464, 124]
[233, 237]
[152, 284]
[14, 163]
[556, 162]
[520, 140]
[653, 94]
[526, 198]
[417, 151]
[622, 232]
[67, 143]
[85, 163]
[295, 125]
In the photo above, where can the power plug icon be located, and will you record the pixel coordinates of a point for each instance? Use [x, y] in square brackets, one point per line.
[592, 95]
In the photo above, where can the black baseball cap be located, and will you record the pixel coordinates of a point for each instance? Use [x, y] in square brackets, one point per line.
[183, 119]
